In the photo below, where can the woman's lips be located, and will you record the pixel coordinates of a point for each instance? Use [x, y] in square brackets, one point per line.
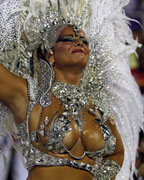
[78, 51]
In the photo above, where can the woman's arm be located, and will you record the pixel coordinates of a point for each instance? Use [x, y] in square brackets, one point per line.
[11, 86]
[13, 90]
[118, 154]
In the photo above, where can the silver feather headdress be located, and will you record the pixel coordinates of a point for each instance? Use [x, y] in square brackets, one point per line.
[45, 18]
[28, 24]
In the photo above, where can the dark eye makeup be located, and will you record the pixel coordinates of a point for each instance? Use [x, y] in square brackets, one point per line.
[66, 39]
[71, 39]
[84, 41]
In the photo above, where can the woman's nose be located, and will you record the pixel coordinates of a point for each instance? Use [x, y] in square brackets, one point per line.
[79, 43]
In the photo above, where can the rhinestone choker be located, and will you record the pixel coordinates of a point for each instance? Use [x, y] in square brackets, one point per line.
[73, 99]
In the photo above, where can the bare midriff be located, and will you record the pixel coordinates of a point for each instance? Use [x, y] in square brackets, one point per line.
[63, 172]
[58, 173]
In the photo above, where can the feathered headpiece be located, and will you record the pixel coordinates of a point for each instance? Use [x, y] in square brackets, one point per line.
[27, 25]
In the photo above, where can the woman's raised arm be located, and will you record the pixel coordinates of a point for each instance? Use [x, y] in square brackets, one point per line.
[13, 89]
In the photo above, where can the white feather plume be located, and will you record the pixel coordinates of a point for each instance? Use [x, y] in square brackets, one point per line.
[109, 26]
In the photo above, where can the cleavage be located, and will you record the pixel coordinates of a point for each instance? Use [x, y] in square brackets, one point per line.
[61, 128]
[61, 131]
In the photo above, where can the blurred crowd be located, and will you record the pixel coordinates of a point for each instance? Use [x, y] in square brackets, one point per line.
[139, 175]
[135, 10]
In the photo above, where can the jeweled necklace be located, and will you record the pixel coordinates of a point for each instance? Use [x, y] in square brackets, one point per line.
[73, 99]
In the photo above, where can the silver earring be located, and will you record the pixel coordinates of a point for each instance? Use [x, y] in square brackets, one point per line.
[45, 80]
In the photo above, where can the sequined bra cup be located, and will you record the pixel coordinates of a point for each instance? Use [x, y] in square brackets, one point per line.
[56, 132]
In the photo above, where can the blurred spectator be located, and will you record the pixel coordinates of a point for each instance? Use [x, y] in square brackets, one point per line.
[16, 168]
[141, 66]
[137, 68]
[137, 62]
[140, 158]
[135, 10]
[11, 167]
[4, 145]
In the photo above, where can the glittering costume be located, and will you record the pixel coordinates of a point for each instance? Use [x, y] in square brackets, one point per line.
[56, 132]
[106, 82]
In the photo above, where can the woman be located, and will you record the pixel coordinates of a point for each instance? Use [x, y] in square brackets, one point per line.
[58, 118]
[70, 58]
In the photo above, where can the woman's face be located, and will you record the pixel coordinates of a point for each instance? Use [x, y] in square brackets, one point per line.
[71, 50]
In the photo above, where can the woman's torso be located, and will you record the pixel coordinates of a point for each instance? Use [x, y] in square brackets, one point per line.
[75, 142]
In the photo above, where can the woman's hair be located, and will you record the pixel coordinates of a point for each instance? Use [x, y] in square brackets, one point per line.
[41, 54]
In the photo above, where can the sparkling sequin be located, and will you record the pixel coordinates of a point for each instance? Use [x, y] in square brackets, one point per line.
[35, 157]
[95, 76]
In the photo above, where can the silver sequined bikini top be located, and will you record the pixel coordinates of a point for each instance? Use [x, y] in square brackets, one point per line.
[57, 131]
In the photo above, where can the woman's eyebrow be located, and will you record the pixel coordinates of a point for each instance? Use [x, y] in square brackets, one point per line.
[73, 35]
[67, 35]
[83, 37]
[76, 36]
[70, 35]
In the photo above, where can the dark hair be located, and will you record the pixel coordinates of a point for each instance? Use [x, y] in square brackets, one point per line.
[40, 54]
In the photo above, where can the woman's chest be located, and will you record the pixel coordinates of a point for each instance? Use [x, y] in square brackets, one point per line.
[58, 131]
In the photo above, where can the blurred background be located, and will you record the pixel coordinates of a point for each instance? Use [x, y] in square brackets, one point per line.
[135, 10]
